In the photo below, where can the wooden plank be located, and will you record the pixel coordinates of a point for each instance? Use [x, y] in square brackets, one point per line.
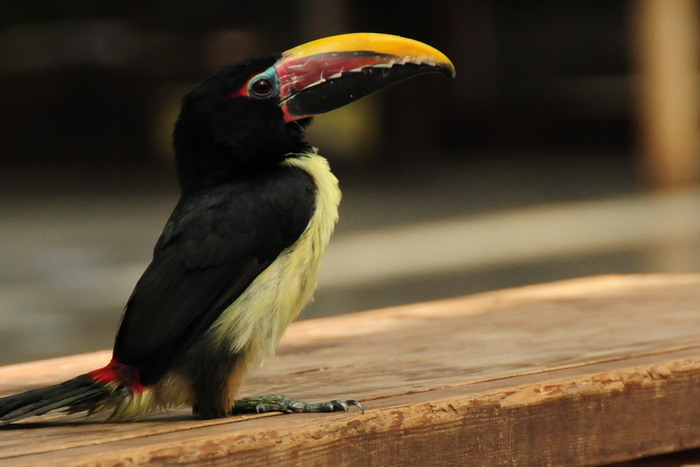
[583, 372]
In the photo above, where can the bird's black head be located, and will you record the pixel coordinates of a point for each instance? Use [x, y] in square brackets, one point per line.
[250, 116]
[232, 124]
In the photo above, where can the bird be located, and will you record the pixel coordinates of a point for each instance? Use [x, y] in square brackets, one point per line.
[239, 257]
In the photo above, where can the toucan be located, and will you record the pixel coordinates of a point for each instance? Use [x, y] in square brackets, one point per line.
[239, 256]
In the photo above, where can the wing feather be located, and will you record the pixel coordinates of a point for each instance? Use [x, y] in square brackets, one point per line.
[211, 249]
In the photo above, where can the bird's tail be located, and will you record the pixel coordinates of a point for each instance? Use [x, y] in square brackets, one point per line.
[80, 393]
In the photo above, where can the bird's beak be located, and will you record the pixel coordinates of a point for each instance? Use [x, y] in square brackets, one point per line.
[329, 73]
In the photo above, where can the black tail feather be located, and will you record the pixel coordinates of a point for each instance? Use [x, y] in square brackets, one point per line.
[79, 391]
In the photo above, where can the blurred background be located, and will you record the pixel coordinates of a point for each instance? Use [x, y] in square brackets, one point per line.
[567, 146]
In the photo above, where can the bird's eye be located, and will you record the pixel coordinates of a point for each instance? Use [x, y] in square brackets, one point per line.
[262, 87]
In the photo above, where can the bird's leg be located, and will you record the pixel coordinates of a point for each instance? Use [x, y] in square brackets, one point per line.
[275, 403]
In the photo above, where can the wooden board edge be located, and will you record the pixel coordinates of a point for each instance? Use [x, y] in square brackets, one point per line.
[600, 418]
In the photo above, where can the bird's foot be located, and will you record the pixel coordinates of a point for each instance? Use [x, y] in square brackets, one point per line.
[275, 403]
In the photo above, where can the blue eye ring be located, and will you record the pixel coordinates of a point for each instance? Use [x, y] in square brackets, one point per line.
[264, 86]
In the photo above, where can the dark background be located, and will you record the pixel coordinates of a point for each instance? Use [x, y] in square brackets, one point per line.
[82, 83]
[539, 126]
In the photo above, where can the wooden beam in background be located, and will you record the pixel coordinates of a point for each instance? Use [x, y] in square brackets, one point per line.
[665, 38]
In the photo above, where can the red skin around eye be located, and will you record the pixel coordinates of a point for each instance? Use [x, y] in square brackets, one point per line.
[243, 92]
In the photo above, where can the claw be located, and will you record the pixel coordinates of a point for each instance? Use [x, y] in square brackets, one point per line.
[338, 406]
[351, 402]
[262, 408]
[344, 406]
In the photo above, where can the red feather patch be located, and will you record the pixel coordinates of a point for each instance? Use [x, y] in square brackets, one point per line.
[120, 374]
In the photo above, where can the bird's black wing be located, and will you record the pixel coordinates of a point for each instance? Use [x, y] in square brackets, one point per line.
[213, 246]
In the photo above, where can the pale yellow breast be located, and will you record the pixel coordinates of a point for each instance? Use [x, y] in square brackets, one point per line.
[256, 321]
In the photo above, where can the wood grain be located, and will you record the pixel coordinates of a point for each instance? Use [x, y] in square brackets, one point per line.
[583, 372]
